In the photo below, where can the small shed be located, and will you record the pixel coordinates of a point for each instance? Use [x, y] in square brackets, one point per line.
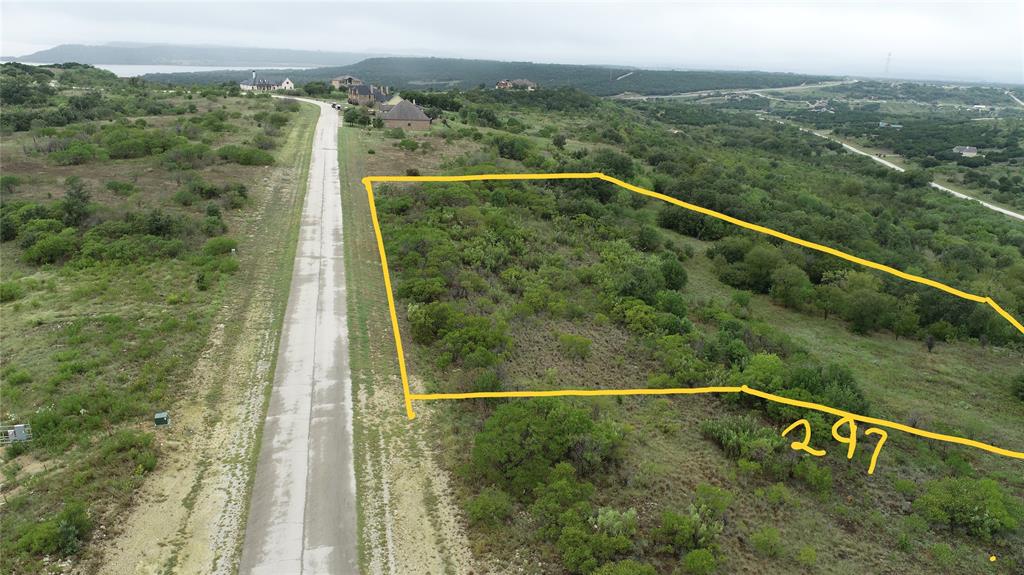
[162, 418]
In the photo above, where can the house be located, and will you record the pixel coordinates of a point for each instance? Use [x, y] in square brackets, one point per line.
[367, 95]
[391, 103]
[406, 115]
[888, 125]
[966, 151]
[519, 84]
[346, 81]
[257, 84]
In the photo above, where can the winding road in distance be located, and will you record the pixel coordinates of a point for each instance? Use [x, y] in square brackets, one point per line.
[302, 515]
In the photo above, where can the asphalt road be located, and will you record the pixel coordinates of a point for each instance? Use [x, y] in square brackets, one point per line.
[302, 516]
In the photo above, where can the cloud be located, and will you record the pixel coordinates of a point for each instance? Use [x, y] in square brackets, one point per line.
[980, 41]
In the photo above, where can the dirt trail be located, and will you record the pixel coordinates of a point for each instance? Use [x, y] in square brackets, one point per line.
[189, 515]
[409, 522]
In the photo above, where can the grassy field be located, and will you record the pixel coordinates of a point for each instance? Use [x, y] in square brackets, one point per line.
[850, 523]
[92, 348]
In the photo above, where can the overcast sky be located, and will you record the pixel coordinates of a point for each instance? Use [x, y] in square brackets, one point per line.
[967, 40]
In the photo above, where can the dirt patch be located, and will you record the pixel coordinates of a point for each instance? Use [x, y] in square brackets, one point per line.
[409, 521]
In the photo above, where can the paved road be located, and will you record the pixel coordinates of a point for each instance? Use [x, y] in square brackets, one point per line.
[302, 516]
[937, 186]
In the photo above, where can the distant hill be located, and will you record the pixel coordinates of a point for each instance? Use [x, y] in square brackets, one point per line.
[170, 54]
[445, 73]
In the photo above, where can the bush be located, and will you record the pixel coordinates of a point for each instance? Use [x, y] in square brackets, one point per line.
[698, 562]
[10, 291]
[52, 248]
[522, 441]
[625, 567]
[219, 246]
[409, 145]
[9, 184]
[121, 188]
[245, 155]
[978, 506]
[574, 346]
[818, 478]
[767, 541]
[491, 507]
[61, 534]
[744, 437]
[187, 156]
[807, 556]
[77, 153]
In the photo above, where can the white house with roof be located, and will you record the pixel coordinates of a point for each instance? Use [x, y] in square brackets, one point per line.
[258, 84]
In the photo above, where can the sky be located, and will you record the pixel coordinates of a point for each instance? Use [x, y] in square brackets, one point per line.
[966, 40]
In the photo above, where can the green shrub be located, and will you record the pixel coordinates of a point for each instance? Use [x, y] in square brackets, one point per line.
[980, 507]
[522, 441]
[9, 184]
[61, 534]
[121, 188]
[625, 567]
[744, 437]
[574, 346]
[31, 231]
[10, 291]
[245, 155]
[817, 477]
[219, 246]
[187, 156]
[767, 541]
[807, 556]
[698, 562]
[409, 145]
[77, 153]
[491, 507]
[52, 248]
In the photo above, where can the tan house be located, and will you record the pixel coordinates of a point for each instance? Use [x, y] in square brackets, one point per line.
[287, 85]
[346, 81]
[406, 115]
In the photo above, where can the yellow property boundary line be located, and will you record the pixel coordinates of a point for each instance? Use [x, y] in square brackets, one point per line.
[410, 397]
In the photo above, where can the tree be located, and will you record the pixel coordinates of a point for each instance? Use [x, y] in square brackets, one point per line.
[559, 141]
[76, 201]
[316, 88]
[522, 441]
[760, 263]
[791, 287]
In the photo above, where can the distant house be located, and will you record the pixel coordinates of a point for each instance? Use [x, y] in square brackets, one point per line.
[966, 151]
[257, 84]
[888, 125]
[519, 84]
[406, 115]
[367, 95]
[346, 81]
